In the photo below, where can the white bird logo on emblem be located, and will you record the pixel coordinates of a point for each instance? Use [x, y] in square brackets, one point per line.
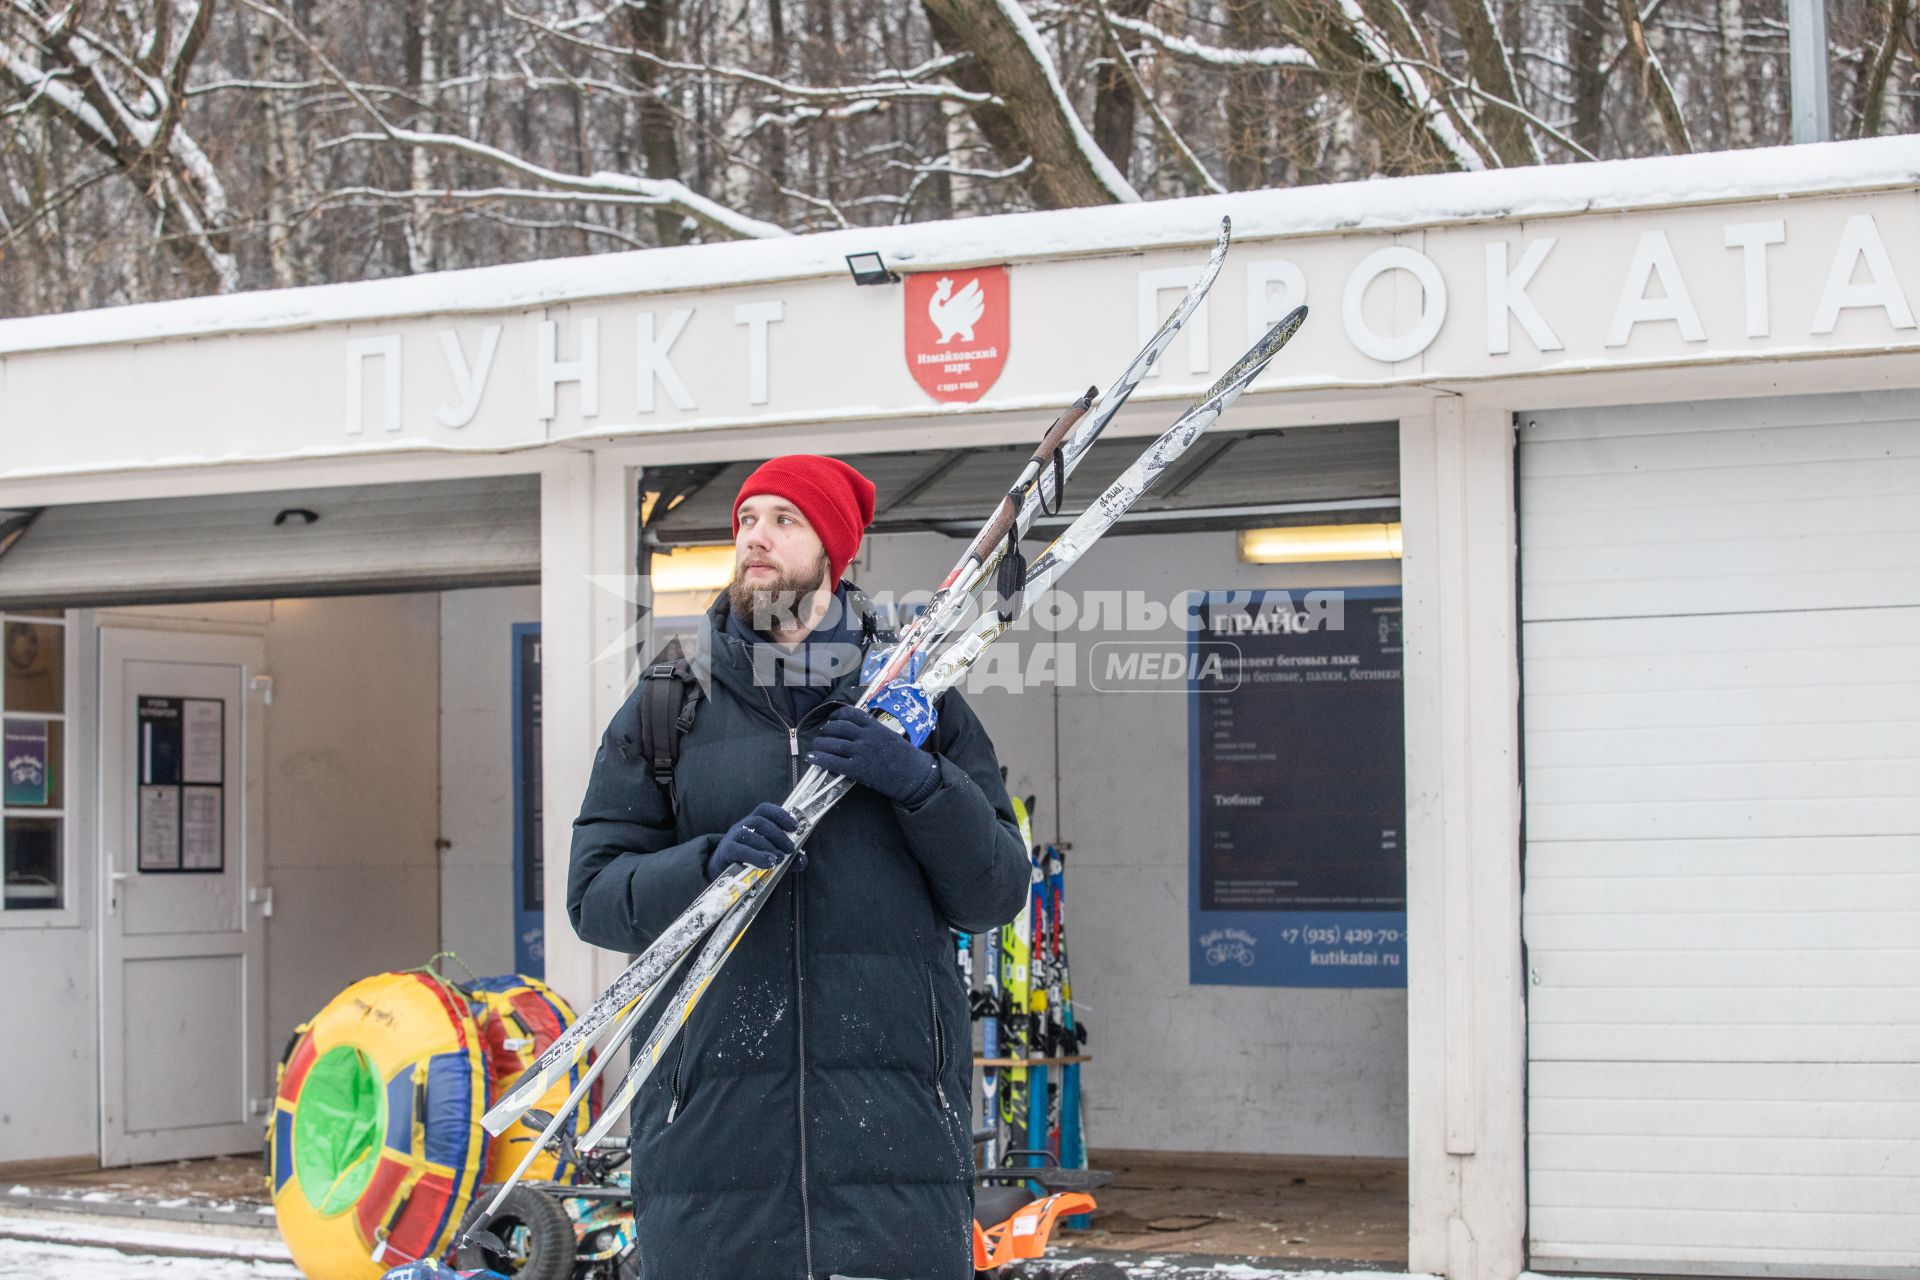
[955, 314]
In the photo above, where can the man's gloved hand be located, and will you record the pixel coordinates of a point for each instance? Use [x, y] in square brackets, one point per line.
[856, 746]
[760, 838]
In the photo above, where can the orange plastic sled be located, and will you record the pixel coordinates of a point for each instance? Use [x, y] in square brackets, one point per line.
[1024, 1235]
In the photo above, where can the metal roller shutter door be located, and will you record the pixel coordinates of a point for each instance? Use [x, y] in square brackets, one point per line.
[421, 536]
[1720, 611]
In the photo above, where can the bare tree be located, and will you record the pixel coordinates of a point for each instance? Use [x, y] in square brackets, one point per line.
[1387, 88]
[1871, 102]
[160, 148]
[1069, 168]
[1653, 79]
[122, 90]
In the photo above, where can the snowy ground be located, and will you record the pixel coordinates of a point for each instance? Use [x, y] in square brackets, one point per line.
[71, 1247]
[23, 1259]
[1071, 1266]
[33, 1260]
[76, 1247]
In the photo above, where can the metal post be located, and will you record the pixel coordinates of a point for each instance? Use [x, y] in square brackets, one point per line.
[644, 643]
[1807, 68]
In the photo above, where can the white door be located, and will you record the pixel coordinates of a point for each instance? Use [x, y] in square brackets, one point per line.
[1721, 630]
[184, 1063]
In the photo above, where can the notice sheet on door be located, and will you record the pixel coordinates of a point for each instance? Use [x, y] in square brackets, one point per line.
[182, 788]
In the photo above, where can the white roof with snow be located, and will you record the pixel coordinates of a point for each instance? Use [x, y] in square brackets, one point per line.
[1386, 204]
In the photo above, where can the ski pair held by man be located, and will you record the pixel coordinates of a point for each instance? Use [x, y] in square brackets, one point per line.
[1072, 436]
[945, 670]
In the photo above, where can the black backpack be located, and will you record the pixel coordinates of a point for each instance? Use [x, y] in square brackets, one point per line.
[669, 698]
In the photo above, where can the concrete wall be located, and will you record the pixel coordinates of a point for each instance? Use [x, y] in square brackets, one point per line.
[353, 741]
[1176, 1067]
[476, 771]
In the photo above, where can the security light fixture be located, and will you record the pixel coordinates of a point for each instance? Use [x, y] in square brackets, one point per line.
[867, 268]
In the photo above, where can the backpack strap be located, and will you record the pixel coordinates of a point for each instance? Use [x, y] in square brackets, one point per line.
[669, 698]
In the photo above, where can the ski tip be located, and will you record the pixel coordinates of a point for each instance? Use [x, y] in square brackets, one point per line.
[1093, 393]
[481, 1238]
[1226, 225]
[502, 1115]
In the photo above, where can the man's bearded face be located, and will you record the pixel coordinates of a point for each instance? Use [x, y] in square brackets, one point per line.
[777, 562]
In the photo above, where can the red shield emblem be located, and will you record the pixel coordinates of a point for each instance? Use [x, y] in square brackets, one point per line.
[957, 324]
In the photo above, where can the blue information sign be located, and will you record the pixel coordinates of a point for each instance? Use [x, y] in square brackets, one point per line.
[529, 895]
[1297, 786]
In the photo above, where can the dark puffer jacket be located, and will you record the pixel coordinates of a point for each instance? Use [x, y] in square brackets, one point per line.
[814, 1118]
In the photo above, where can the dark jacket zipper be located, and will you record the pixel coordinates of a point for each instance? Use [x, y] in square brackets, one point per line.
[679, 1059]
[939, 1042]
[799, 991]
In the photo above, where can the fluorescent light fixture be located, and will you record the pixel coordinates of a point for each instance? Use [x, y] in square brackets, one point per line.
[868, 268]
[1312, 543]
[691, 569]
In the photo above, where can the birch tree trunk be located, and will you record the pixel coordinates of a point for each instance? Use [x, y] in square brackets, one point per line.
[424, 77]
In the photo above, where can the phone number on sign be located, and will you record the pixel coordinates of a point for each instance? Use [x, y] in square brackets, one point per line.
[1334, 935]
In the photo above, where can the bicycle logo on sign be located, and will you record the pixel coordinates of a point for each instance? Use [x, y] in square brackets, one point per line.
[1229, 946]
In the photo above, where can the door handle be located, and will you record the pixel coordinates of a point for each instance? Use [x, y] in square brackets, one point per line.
[114, 879]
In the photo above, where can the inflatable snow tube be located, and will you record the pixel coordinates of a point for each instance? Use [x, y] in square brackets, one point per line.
[375, 1146]
[519, 1017]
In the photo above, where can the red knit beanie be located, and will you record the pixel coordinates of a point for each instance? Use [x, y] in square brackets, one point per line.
[836, 500]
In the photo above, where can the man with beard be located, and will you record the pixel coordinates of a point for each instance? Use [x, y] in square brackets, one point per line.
[814, 1118]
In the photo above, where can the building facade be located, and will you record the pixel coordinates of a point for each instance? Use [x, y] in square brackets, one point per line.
[1651, 433]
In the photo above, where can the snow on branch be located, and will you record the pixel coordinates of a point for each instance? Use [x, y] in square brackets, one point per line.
[603, 185]
[1288, 56]
[1160, 121]
[665, 192]
[906, 85]
[126, 105]
[1036, 116]
[1412, 85]
[1117, 186]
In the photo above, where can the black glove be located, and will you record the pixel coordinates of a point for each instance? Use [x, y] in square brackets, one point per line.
[856, 746]
[760, 838]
